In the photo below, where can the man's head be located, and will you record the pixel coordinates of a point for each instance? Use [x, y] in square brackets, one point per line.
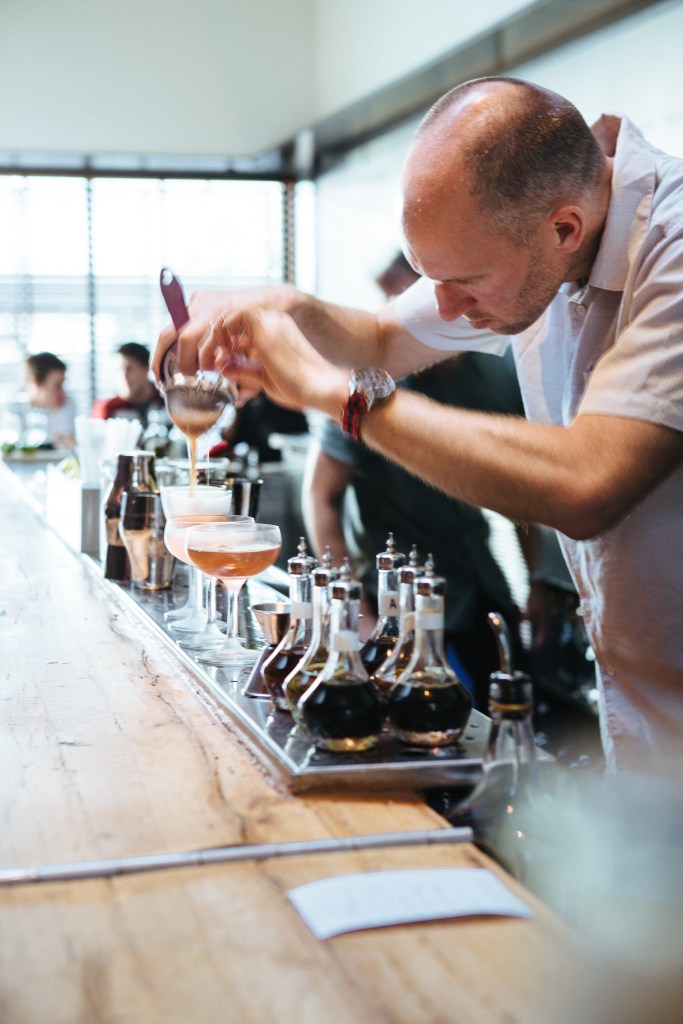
[505, 193]
[136, 383]
[45, 373]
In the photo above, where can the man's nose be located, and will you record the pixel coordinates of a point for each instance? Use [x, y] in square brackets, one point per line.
[452, 301]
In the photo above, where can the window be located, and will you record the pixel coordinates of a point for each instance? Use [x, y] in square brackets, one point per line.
[80, 261]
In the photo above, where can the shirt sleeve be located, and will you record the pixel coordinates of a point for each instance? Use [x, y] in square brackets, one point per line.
[641, 375]
[417, 312]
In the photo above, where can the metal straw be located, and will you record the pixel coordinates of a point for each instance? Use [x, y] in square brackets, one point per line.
[109, 868]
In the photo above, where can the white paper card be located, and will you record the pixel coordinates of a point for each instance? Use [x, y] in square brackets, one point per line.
[375, 899]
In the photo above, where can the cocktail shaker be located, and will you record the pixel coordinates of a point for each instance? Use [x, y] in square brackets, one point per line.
[142, 531]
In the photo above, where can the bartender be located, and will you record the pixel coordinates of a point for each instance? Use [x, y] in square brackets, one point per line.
[525, 229]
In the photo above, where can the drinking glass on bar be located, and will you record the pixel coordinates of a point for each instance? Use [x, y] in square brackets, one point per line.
[183, 507]
[232, 552]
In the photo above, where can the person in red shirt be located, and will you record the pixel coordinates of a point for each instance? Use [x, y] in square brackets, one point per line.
[137, 393]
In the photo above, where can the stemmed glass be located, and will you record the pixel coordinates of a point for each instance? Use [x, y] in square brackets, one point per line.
[232, 553]
[183, 507]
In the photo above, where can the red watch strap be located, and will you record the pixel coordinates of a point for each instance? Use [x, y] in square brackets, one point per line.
[351, 414]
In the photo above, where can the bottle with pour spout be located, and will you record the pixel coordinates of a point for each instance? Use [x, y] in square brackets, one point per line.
[388, 672]
[384, 636]
[429, 705]
[314, 660]
[297, 639]
[342, 709]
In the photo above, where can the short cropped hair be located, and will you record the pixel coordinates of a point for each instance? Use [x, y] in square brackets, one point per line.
[528, 153]
[38, 366]
[134, 350]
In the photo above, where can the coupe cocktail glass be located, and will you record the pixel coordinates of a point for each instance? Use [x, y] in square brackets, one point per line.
[232, 553]
[184, 507]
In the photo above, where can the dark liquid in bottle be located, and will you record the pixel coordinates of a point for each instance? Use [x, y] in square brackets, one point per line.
[384, 684]
[429, 714]
[375, 652]
[298, 684]
[276, 669]
[116, 562]
[342, 716]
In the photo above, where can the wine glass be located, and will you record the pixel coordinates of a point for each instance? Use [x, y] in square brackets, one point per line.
[232, 553]
[183, 507]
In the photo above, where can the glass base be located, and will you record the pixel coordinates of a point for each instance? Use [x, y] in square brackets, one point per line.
[178, 613]
[209, 639]
[190, 624]
[229, 654]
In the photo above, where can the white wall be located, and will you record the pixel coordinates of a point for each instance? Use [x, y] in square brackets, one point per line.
[361, 45]
[153, 76]
[207, 77]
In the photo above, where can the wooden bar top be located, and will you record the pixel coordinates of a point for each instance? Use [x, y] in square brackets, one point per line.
[106, 750]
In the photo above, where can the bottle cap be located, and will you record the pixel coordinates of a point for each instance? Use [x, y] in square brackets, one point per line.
[390, 558]
[409, 573]
[511, 693]
[325, 573]
[301, 564]
[345, 588]
[429, 584]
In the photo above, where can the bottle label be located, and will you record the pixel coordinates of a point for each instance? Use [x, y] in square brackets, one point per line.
[388, 603]
[345, 640]
[302, 610]
[429, 620]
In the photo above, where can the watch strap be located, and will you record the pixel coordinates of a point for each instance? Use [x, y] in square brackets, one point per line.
[351, 413]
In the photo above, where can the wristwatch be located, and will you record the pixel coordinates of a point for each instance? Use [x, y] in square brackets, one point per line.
[366, 387]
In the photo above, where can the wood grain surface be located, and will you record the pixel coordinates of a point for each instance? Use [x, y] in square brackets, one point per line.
[106, 750]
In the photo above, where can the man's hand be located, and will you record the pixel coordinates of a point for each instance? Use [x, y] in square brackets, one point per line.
[262, 349]
[205, 307]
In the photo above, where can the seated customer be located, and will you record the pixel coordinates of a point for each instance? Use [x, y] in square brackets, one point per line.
[45, 374]
[137, 393]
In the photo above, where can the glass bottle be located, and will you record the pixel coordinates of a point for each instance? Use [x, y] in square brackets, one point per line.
[315, 658]
[428, 705]
[508, 810]
[387, 673]
[297, 639]
[134, 473]
[342, 710]
[382, 640]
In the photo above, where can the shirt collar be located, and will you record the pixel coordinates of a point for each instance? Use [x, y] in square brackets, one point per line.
[633, 183]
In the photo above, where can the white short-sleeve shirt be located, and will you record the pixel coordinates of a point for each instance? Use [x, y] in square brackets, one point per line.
[615, 347]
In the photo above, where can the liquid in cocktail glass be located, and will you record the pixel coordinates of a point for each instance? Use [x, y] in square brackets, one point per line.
[232, 553]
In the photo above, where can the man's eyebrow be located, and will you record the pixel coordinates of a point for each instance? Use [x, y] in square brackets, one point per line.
[461, 280]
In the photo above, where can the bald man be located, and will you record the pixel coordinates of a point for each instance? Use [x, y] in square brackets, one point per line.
[526, 230]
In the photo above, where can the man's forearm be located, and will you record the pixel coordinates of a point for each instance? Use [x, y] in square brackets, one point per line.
[578, 479]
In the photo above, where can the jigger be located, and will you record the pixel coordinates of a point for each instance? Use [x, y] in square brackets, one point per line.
[273, 618]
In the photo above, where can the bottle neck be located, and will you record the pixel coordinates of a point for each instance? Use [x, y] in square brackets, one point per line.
[512, 739]
[320, 635]
[387, 594]
[301, 600]
[429, 630]
[344, 656]
[406, 603]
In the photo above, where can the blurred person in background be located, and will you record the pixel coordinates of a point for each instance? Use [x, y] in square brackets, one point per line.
[137, 395]
[45, 394]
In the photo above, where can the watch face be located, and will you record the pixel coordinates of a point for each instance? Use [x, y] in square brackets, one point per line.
[373, 382]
